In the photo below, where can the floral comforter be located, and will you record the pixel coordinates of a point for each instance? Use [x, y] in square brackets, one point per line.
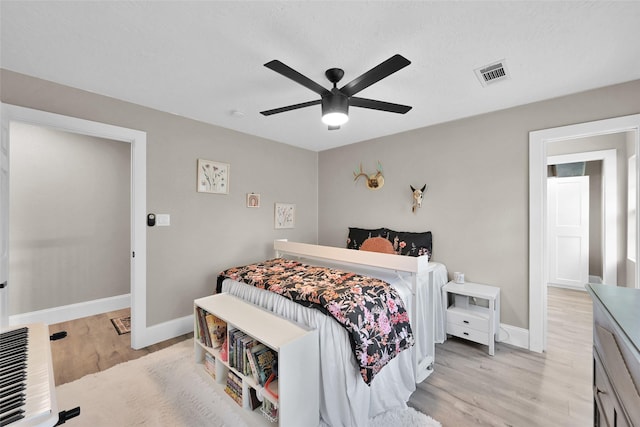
[369, 309]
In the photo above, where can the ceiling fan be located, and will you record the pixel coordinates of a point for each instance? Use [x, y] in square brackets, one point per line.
[335, 102]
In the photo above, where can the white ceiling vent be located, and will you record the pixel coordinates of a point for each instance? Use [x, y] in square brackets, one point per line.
[492, 73]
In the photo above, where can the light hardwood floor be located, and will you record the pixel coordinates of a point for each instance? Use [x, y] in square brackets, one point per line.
[468, 388]
[92, 345]
[517, 387]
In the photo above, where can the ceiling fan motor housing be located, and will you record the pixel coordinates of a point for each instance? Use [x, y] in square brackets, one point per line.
[335, 103]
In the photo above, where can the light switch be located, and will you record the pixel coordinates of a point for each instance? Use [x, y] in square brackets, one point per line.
[163, 220]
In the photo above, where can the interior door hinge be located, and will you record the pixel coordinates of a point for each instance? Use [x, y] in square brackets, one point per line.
[133, 254]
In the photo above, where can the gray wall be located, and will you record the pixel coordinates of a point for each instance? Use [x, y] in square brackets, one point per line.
[477, 201]
[69, 238]
[618, 142]
[208, 232]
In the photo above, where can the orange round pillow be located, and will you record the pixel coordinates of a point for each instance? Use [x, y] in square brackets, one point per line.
[377, 244]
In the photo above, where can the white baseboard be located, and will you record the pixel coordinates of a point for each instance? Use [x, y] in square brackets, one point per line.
[162, 332]
[515, 336]
[72, 311]
[574, 288]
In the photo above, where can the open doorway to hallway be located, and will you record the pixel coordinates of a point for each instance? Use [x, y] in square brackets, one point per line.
[539, 142]
[70, 228]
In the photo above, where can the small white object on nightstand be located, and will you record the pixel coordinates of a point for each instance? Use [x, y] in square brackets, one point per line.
[470, 321]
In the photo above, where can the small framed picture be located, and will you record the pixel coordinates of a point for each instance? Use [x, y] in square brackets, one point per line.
[213, 177]
[285, 215]
[253, 200]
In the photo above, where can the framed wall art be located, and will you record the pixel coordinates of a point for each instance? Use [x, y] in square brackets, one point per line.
[253, 200]
[213, 177]
[285, 215]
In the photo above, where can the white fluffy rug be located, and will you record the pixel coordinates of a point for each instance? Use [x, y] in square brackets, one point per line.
[166, 388]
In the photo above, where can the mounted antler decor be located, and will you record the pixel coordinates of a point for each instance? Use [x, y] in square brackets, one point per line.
[374, 181]
[417, 197]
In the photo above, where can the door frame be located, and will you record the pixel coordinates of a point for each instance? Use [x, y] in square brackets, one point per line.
[538, 266]
[138, 141]
[609, 209]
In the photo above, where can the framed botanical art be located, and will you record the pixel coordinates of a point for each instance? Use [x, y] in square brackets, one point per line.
[253, 200]
[213, 177]
[285, 215]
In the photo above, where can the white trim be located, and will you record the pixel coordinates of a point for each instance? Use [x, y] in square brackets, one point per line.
[166, 330]
[538, 267]
[138, 139]
[512, 335]
[72, 311]
[609, 205]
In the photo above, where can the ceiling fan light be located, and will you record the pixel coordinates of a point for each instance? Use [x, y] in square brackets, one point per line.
[335, 109]
[335, 119]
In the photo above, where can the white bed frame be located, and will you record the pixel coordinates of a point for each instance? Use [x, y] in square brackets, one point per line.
[415, 266]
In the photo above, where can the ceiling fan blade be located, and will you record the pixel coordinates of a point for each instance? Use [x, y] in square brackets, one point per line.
[292, 74]
[377, 73]
[290, 107]
[378, 105]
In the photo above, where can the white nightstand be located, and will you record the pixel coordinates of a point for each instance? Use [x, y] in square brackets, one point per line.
[473, 322]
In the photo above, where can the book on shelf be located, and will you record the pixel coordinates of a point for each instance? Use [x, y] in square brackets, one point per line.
[210, 364]
[203, 334]
[217, 329]
[246, 344]
[234, 387]
[265, 359]
[234, 341]
[238, 356]
[252, 361]
[254, 402]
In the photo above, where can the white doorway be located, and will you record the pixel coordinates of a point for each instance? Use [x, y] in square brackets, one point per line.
[568, 231]
[137, 139]
[538, 264]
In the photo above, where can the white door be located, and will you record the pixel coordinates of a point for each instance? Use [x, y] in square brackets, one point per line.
[568, 225]
[4, 224]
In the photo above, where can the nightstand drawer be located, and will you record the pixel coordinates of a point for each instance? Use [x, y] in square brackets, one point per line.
[468, 333]
[470, 318]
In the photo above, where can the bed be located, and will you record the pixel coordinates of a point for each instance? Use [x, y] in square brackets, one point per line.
[345, 399]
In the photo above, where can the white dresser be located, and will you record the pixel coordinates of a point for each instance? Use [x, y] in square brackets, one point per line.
[616, 355]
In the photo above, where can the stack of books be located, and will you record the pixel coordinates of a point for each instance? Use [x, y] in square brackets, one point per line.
[211, 330]
[234, 387]
[210, 364]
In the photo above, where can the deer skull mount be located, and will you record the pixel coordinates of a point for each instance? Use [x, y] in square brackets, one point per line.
[374, 181]
[417, 197]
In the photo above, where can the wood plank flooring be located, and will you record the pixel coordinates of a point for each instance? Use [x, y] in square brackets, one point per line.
[92, 345]
[517, 387]
[468, 388]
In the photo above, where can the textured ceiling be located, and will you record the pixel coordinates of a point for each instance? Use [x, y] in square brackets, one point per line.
[204, 59]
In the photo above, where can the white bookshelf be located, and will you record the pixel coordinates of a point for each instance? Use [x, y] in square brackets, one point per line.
[298, 365]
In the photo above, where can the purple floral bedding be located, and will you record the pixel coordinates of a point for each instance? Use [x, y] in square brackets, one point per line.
[369, 309]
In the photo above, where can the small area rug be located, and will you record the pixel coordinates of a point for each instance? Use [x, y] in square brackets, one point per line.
[167, 388]
[122, 324]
